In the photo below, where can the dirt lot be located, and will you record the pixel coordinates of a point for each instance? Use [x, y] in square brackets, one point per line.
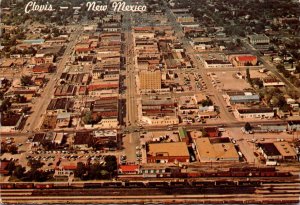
[227, 80]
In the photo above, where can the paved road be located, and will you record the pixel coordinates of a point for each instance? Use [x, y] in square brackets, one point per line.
[131, 140]
[35, 119]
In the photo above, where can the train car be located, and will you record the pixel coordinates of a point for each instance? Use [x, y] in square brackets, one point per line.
[223, 174]
[158, 184]
[24, 185]
[112, 184]
[134, 184]
[92, 185]
[194, 175]
[203, 183]
[225, 183]
[268, 174]
[267, 169]
[179, 175]
[197, 184]
[7, 185]
[178, 184]
[283, 174]
[249, 183]
[239, 174]
[43, 186]
[61, 185]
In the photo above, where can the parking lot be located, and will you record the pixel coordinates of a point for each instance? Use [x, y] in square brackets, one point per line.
[228, 80]
[247, 143]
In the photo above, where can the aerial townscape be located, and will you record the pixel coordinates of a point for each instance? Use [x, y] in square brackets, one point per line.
[150, 101]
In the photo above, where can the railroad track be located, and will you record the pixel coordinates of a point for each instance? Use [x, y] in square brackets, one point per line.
[241, 199]
[265, 193]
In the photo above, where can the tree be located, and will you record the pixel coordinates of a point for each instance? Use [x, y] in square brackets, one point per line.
[204, 133]
[35, 164]
[11, 167]
[87, 119]
[13, 149]
[248, 127]
[21, 99]
[19, 171]
[111, 163]
[26, 80]
[280, 68]
[258, 82]
[36, 175]
[5, 105]
[80, 170]
[248, 77]
[111, 144]
[207, 102]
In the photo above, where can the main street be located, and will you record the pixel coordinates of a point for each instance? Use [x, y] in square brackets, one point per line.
[132, 140]
[40, 106]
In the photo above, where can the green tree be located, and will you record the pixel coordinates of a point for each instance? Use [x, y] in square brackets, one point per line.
[21, 99]
[11, 167]
[19, 172]
[81, 170]
[207, 102]
[204, 133]
[26, 80]
[248, 127]
[87, 119]
[5, 105]
[13, 149]
[248, 77]
[35, 164]
[111, 164]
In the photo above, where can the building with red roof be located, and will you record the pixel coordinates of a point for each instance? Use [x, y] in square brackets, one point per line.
[244, 60]
[129, 169]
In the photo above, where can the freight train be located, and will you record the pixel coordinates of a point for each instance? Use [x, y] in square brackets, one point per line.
[136, 184]
[240, 177]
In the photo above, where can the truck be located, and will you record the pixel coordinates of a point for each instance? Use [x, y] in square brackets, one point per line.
[221, 129]
[271, 163]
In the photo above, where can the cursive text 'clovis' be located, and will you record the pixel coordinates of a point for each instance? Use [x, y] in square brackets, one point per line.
[33, 6]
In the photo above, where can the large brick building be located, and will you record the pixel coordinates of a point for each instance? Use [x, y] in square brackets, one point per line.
[168, 152]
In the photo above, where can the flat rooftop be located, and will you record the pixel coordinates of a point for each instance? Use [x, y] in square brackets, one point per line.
[172, 149]
[216, 151]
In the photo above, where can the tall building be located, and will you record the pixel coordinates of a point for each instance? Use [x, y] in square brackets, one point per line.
[150, 80]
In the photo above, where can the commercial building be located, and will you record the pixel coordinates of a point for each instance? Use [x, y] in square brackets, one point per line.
[215, 60]
[150, 80]
[286, 150]
[213, 152]
[269, 151]
[294, 125]
[168, 153]
[259, 41]
[254, 113]
[10, 122]
[129, 169]
[183, 18]
[165, 120]
[244, 60]
[240, 97]
[272, 82]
